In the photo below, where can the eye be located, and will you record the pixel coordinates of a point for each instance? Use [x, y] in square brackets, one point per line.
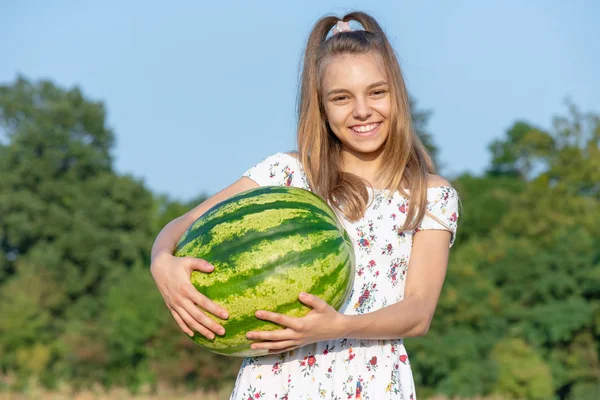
[340, 98]
[378, 92]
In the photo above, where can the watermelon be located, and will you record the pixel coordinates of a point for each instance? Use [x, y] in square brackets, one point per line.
[267, 245]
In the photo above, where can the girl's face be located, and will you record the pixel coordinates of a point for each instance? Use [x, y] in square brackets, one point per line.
[356, 99]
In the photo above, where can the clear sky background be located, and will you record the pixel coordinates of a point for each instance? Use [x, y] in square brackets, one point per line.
[198, 91]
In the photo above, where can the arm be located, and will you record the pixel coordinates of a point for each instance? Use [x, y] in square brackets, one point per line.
[407, 318]
[167, 238]
[411, 316]
[172, 274]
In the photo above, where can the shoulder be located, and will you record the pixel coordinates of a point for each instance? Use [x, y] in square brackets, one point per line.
[434, 181]
[440, 190]
[293, 154]
[279, 169]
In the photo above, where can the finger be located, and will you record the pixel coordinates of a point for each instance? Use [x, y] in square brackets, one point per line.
[313, 301]
[192, 323]
[280, 319]
[197, 264]
[273, 345]
[202, 318]
[279, 335]
[204, 302]
[181, 324]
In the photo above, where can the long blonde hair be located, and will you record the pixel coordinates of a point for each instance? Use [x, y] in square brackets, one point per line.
[407, 162]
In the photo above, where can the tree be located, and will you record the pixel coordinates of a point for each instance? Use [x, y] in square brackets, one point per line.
[68, 221]
[420, 119]
[523, 282]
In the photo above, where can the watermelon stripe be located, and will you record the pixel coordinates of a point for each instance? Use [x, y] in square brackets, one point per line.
[221, 251]
[237, 280]
[272, 190]
[268, 294]
[230, 206]
[249, 322]
[329, 290]
[269, 196]
[272, 193]
[202, 232]
[267, 245]
[238, 341]
[266, 252]
[235, 342]
[308, 196]
[293, 274]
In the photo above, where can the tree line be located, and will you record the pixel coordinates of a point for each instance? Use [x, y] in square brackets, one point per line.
[519, 314]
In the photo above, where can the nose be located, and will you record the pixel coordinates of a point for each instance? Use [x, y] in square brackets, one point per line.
[361, 110]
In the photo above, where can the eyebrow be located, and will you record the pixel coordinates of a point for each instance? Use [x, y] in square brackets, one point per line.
[371, 86]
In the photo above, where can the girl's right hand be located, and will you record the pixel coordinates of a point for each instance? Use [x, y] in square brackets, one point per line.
[187, 305]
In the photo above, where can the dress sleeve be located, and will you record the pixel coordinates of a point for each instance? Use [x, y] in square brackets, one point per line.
[279, 169]
[442, 211]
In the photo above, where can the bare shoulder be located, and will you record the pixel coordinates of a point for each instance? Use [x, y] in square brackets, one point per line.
[436, 180]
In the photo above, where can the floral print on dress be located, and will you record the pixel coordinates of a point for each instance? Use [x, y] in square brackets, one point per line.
[276, 368]
[367, 297]
[366, 237]
[272, 168]
[348, 368]
[397, 270]
[289, 175]
[403, 206]
[444, 207]
[372, 364]
[252, 393]
[280, 170]
[308, 364]
[387, 249]
[351, 355]
[285, 394]
[361, 269]
[377, 200]
[348, 387]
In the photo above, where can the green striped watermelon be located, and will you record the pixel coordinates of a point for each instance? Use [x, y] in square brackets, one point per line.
[267, 245]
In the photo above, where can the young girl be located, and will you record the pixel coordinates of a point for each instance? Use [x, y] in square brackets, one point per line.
[357, 150]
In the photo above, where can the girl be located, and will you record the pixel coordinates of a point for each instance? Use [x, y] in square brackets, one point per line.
[356, 148]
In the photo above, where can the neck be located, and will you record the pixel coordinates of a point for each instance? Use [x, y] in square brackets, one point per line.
[364, 165]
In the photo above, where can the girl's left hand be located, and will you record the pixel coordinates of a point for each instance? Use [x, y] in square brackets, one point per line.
[323, 322]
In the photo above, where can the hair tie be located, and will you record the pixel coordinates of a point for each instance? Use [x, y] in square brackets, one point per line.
[341, 26]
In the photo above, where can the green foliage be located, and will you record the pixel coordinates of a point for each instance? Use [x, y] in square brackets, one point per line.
[77, 302]
[519, 315]
[523, 374]
[167, 209]
[521, 299]
[419, 119]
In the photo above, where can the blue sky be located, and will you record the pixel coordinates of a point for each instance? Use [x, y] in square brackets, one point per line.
[197, 92]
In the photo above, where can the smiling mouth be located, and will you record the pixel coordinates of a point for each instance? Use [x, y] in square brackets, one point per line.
[366, 129]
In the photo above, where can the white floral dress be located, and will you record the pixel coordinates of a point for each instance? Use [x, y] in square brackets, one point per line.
[350, 368]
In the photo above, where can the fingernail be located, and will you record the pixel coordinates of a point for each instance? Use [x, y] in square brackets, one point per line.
[259, 314]
[303, 294]
[221, 331]
[224, 315]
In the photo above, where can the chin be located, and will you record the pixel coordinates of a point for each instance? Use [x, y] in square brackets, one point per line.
[370, 146]
[367, 149]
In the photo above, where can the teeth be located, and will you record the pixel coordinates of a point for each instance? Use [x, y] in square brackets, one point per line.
[364, 128]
